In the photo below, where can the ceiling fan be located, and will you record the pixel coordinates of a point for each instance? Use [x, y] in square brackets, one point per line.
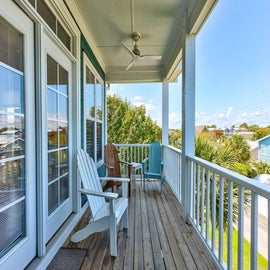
[135, 53]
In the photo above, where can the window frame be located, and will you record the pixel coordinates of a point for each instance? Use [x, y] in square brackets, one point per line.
[97, 81]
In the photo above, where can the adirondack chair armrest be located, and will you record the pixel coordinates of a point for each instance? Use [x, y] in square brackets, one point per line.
[107, 178]
[107, 166]
[108, 195]
[144, 164]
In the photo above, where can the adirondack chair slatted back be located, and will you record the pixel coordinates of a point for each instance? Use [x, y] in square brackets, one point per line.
[90, 180]
[155, 157]
[112, 160]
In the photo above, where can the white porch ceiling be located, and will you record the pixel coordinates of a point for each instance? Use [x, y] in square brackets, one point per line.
[160, 22]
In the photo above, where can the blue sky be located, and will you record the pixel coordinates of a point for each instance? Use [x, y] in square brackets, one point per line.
[232, 70]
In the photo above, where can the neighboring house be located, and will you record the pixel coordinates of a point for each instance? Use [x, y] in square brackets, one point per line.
[264, 149]
[216, 132]
[200, 130]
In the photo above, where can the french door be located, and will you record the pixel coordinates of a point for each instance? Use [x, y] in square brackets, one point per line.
[56, 148]
[17, 139]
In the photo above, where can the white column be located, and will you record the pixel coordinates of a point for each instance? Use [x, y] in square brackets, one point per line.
[165, 112]
[188, 118]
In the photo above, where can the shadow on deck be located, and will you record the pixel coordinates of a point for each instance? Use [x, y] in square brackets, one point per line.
[157, 238]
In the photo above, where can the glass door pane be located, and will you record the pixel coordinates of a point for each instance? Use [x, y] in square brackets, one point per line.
[57, 124]
[12, 138]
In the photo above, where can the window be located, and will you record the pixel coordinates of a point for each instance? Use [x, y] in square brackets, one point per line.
[52, 22]
[93, 111]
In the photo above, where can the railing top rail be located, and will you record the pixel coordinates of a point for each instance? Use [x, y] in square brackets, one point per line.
[131, 144]
[251, 184]
[172, 148]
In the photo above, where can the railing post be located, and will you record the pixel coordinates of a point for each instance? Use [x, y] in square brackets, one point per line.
[165, 112]
[188, 118]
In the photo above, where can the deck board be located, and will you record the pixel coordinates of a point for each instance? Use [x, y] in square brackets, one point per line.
[157, 238]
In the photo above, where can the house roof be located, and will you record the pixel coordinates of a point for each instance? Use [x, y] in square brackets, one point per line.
[160, 23]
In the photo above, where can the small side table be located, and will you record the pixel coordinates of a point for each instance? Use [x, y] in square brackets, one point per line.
[135, 167]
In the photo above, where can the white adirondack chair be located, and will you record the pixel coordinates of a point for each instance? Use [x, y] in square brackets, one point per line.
[104, 214]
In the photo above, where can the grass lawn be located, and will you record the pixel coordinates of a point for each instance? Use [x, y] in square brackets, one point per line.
[262, 262]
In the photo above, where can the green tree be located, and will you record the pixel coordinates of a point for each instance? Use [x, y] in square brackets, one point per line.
[129, 124]
[261, 132]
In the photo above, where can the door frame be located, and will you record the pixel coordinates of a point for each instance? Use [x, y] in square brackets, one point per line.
[25, 250]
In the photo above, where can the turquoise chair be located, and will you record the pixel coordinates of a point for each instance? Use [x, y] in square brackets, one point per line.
[152, 166]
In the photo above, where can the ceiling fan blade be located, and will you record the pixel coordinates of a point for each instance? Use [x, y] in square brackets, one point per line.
[131, 63]
[127, 49]
[150, 57]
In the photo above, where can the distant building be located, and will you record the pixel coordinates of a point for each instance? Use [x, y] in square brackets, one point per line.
[264, 149]
[200, 129]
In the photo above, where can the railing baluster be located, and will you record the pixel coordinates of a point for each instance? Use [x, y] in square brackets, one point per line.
[240, 227]
[254, 231]
[214, 213]
[194, 189]
[230, 224]
[221, 219]
[207, 204]
[202, 202]
[198, 195]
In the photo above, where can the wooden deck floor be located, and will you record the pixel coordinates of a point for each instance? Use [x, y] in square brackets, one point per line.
[157, 237]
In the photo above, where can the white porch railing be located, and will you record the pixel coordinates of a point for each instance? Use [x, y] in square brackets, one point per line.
[216, 196]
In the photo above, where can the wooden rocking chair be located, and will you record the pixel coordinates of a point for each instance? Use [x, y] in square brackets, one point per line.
[104, 214]
[113, 166]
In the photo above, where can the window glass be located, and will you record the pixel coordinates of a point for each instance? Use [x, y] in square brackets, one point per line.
[46, 14]
[99, 141]
[11, 49]
[57, 125]
[63, 35]
[89, 93]
[12, 138]
[99, 100]
[90, 139]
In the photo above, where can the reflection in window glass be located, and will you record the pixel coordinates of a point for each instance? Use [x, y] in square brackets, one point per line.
[52, 197]
[57, 124]
[63, 162]
[52, 135]
[90, 139]
[99, 141]
[12, 138]
[51, 73]
[63, 35]
[90, 94]
[63, 80]
[11, 49]
[11, 91]
[63, 134]
[52, 166]
[46, 14]
[64, 188]
[99, 101]
[52, 104]
[63, 108]
[13, 222]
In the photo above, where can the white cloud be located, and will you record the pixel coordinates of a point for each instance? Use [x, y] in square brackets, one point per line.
[229, 111]
[136, 98]
[175, 120]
